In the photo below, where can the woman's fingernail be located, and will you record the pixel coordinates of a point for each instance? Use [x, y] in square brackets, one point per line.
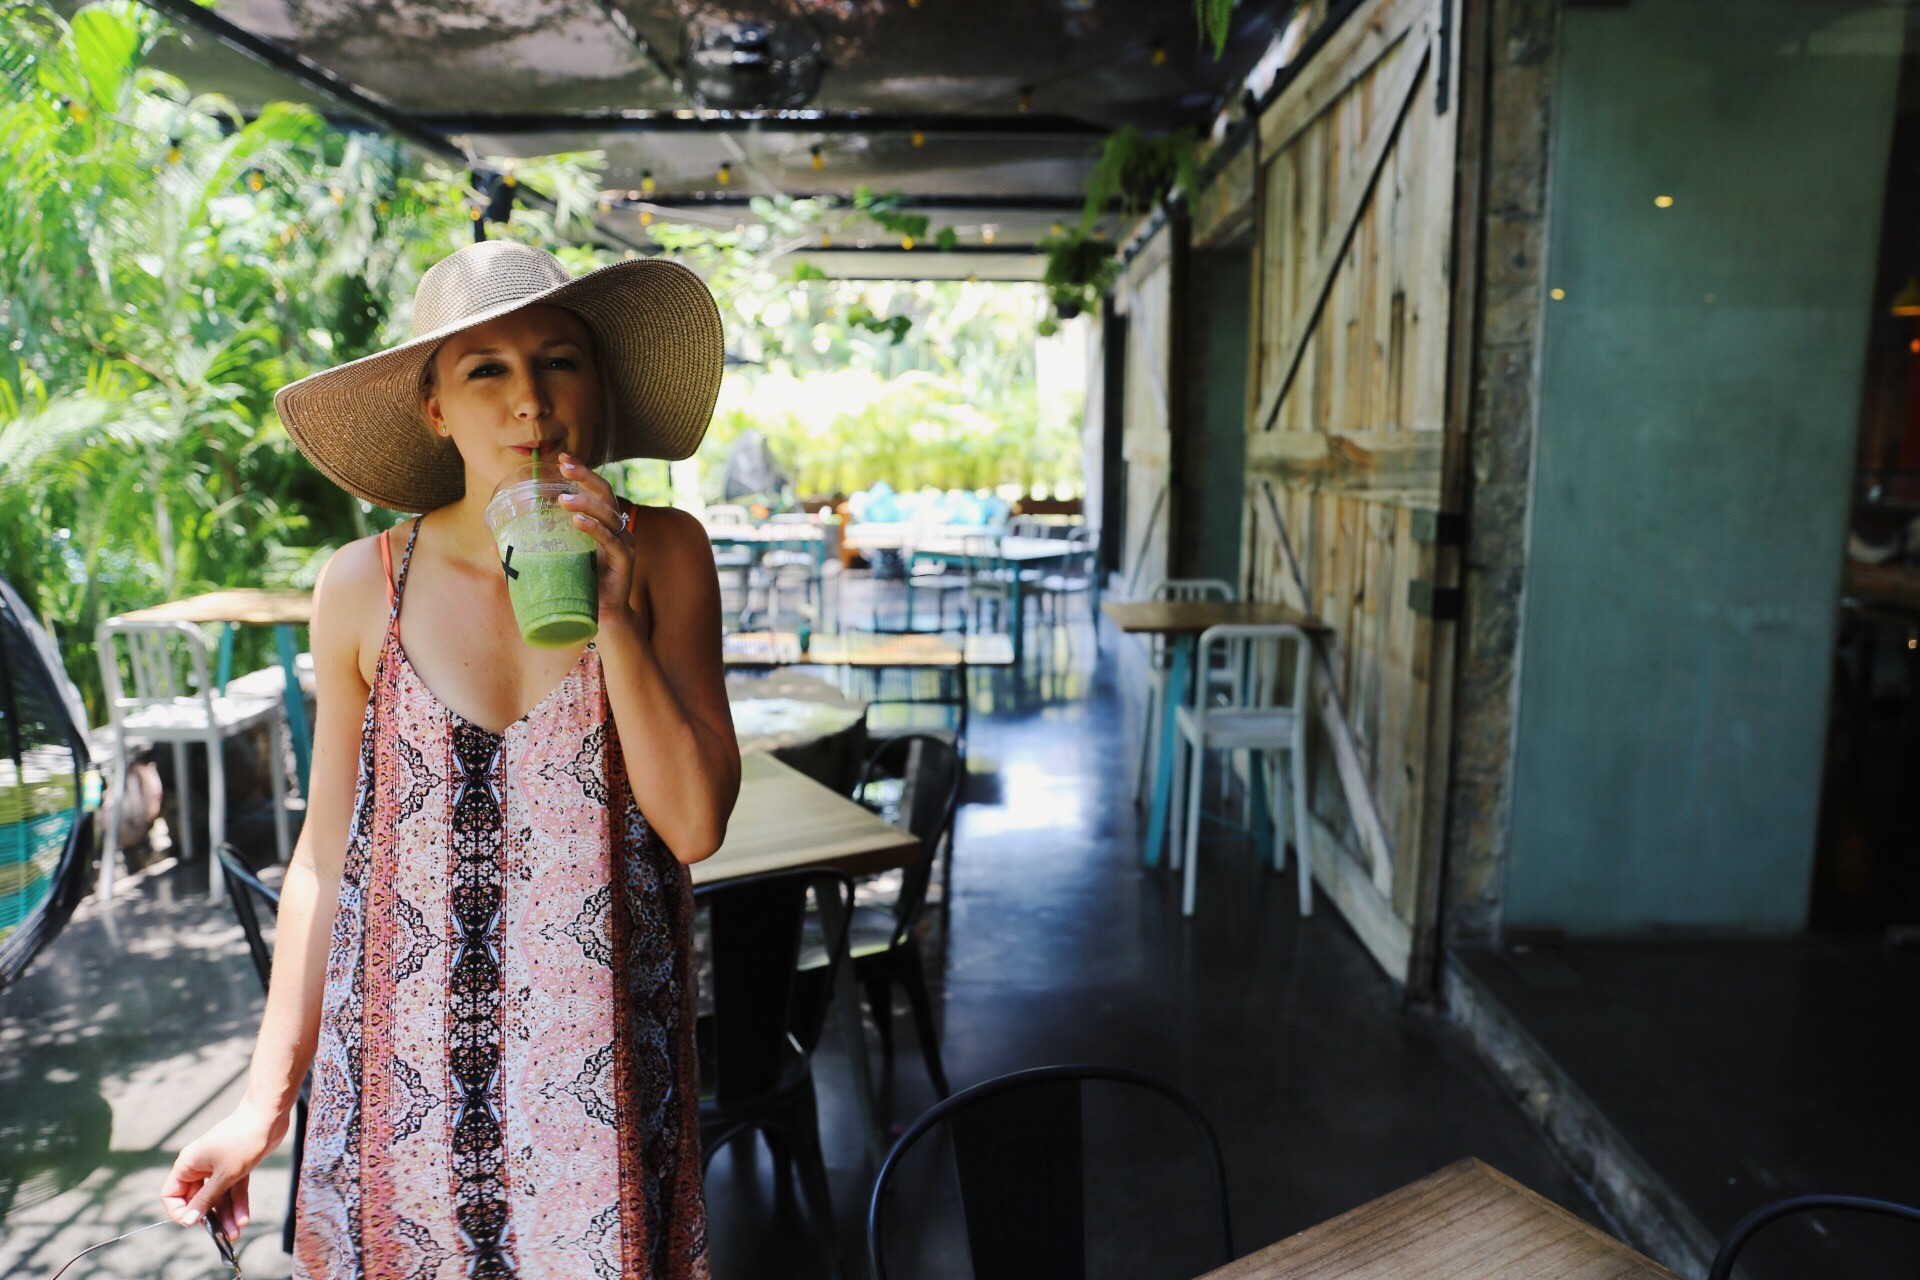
[193, 1216]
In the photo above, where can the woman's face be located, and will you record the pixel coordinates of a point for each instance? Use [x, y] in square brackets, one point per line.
[522, 384]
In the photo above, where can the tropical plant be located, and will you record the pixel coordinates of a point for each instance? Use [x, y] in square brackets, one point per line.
[167, 262]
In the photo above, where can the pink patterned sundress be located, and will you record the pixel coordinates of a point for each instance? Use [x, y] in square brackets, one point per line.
[505, 1082]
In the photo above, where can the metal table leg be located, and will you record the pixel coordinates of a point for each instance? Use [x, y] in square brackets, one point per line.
[296, 706]
[846, 996]
[1176, 693]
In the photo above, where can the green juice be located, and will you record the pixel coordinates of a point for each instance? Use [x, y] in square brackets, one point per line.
[555, 600]
[550, 579]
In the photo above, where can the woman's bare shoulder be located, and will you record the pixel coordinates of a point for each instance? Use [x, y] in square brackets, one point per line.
[671, 534]
[350, 596]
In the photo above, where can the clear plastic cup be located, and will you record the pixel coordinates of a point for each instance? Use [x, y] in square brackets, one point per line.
[547, 559]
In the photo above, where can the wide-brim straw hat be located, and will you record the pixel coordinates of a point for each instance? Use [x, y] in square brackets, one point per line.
[656, 334]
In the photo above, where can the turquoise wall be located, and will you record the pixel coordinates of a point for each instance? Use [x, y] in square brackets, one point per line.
[1698, 405]
[1224, 288]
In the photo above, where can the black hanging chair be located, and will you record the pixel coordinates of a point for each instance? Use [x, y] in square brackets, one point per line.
[46, 832]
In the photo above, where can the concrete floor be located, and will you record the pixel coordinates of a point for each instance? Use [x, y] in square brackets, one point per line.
[1737, 1073]
[132, 1030]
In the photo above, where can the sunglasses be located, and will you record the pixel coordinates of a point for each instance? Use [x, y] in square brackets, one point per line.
[211, 1221]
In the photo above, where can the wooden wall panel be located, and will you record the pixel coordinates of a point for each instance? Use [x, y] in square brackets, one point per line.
[1144, 295]
[1348, 415]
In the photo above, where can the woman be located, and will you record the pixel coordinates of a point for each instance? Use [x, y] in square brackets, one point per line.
[482, 947]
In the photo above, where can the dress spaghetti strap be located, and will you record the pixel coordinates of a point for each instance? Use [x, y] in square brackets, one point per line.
[386, 564]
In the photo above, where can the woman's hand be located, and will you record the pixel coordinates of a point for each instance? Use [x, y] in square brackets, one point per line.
[597, 512]
[214, 1168]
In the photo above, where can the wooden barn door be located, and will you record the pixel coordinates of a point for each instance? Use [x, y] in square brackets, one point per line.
[1352, 455]
[1144, 297]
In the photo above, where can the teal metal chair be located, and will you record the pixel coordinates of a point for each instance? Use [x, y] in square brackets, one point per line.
[46, 831]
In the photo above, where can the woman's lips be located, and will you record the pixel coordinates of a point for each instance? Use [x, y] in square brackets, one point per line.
[545, 448]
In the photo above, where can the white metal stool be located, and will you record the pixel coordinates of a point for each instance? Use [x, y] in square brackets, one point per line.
[1260, 715]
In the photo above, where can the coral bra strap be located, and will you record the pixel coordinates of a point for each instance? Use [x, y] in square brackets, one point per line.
[386, 565]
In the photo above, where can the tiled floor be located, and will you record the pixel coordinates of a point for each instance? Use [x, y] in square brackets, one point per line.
[133, 1029]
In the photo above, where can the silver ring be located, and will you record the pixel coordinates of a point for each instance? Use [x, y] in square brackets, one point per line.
[626, 519]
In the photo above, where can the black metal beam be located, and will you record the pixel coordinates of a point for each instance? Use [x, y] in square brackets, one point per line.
[989, 204]
[309, 73]
[853, 122]
[346, 93]
[960, 250]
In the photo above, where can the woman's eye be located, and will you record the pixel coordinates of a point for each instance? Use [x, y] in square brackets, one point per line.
[560, 362]
[483, 370]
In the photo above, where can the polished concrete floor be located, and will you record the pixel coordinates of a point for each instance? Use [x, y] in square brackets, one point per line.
[1744, 1072]
[132, 1031]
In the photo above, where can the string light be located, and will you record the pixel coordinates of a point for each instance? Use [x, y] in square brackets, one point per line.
[919, 138]
[1663, 202]
[1059, 230]
[725, 176]
[1026, 100]
[646, 217]
[255, 182]
[1159, 54]
[336, 195]
[906, 242]
[826, 240]
[986, 235]
[647, 183]
[819, 160]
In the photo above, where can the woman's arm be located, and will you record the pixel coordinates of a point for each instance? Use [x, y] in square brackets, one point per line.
[217, 1165]
[666, 682]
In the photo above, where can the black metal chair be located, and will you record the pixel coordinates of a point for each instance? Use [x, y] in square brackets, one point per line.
[1017, 1148]
[1750, 1226]
[249, 894]
[885, 945]
[756, 1045]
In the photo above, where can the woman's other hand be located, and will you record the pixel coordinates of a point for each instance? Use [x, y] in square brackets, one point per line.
[214, 1168]
[596, 511]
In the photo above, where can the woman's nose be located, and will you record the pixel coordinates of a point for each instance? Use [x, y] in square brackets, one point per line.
[529, 397]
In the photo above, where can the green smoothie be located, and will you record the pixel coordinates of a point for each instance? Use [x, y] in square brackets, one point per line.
[550, 577]
[555, 600]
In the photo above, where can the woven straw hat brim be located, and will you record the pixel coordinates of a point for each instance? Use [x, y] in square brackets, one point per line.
[657, 335]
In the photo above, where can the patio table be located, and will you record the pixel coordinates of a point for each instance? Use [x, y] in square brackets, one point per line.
[785, 821]
[1182, 621]
[760, 538]
[769, 649]
[802, 721]
[1018, 555]
[1466, 1222]
[283, 610]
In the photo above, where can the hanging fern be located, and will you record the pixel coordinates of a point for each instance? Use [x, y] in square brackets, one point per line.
[1136, 169]
[1214, 17]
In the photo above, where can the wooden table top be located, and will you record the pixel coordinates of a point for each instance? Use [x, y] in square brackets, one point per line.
[1191, 617]
[785, 820]
[766, 532]
[1887, 585]
[868, 649]
[1466, 1222]
[1012, 550]
[892, 535]
[788, 709]
[252, 605]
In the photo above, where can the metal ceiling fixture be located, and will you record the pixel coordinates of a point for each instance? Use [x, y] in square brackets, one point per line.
[750, 64]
